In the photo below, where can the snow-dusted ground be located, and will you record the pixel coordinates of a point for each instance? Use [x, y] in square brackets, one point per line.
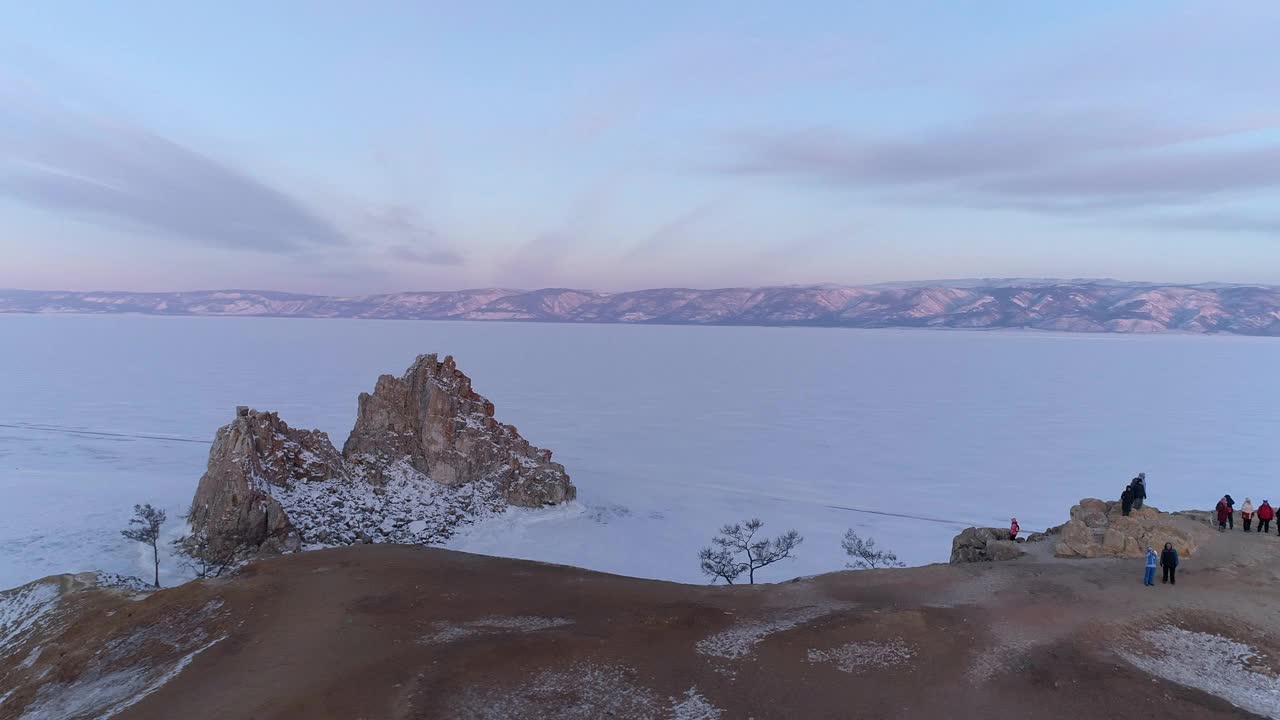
[1216, 665]
[667, 431]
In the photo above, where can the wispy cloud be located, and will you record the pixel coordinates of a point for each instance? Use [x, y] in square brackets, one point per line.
[1217, 222]
[672, 233]
[411, 254]
[110, 171]
[1073, 160]
[413, 240]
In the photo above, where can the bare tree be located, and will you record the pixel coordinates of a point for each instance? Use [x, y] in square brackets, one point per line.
[864, 553]
[206, 559]
[209, 557]
[144, 527]
[736, 551]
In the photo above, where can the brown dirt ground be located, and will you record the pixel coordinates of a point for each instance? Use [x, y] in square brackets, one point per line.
[382, 632]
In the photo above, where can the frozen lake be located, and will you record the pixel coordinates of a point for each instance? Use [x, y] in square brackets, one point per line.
[668, 432]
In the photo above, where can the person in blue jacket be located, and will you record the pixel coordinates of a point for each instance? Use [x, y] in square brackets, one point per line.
[1150, 577]
[1169, 561]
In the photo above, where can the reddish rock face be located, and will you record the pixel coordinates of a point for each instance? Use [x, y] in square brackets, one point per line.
[433, 419]
[425, 439]
[233, 503]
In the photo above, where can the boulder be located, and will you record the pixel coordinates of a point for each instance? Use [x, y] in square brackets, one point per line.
[1092, 512]
[983, 545]
[1100, 529]
[998, 550]
[1078, 540]
[426, 455]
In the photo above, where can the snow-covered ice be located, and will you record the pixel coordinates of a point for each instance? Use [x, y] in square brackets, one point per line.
[668, 432]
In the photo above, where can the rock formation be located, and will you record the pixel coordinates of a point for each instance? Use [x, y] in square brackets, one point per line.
[1098, 528]
[432, 419]
[426, 455]
[252, 459]
[983, 545]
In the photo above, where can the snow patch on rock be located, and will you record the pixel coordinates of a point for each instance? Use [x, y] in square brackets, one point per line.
[408, 508]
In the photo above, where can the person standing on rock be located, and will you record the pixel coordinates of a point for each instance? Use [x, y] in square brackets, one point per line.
[1246, 514]
[1265, 514]
[1149, 578]
[1014, 528]
[1126, 501]
[1224, 513]
[1139, 489]
[1169, 561]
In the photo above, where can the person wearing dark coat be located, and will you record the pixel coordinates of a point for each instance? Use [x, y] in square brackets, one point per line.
[1169, 561]
[1139, 488]
[1231, 512]
[1265, 514]
[1126, 501]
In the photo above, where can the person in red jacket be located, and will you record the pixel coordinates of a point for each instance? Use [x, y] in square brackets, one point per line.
[1013, 529]
[1224, 513]
[1265, 514]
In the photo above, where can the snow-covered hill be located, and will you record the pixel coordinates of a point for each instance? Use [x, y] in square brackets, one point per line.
[1063, 305]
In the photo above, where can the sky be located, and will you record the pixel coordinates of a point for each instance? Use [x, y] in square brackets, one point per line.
[346, 148]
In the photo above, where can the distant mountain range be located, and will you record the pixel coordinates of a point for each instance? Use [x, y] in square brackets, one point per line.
[1062, 305]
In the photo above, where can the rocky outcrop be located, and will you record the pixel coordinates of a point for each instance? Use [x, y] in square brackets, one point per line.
[983, 545]
[1098, 528]
[252, 458]
[426, 456]
[433, 420]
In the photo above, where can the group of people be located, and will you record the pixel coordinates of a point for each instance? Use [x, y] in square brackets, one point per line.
[1226, 511]
[1168, 560]
[1134, 495]
[1131, 499]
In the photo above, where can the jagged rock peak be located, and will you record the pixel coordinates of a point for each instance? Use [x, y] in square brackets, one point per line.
[432, 419]
[425, 457]
[254, 456]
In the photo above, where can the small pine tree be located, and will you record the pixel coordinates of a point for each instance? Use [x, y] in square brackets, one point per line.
[736, 551]
[864, 553]
[144, 527]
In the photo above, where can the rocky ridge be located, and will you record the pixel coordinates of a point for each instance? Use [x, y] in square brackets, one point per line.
[1059, 305]
[395, 631]
[426, 455]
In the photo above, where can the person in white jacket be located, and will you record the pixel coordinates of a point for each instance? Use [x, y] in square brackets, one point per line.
[1246, 513]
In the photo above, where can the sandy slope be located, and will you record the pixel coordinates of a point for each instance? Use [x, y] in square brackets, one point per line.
[404, 632]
